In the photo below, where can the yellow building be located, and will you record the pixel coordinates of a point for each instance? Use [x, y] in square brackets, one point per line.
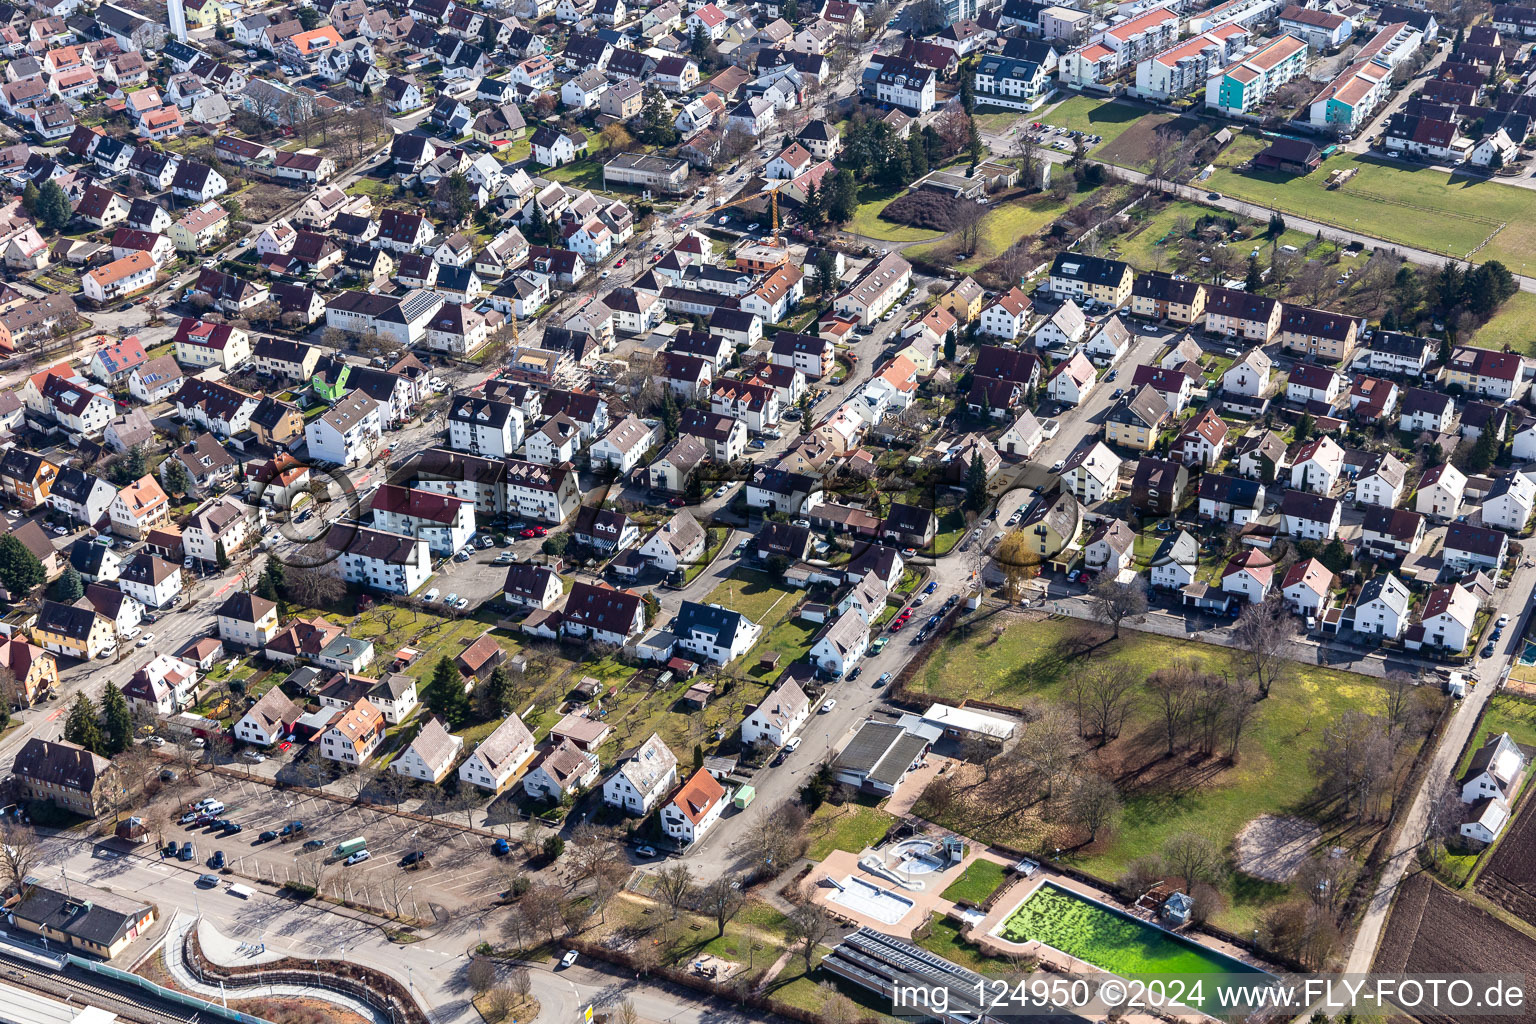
[1080, 278]
[34, 669]
[1325, 336]
[964, 300]
[1164, 297]
[208, 13]
[72, 632]
[1135, 420]
[81, 917]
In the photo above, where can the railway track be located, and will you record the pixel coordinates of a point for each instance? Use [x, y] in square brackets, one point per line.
[82, 987]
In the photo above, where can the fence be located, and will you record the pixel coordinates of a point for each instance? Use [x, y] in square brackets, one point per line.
[192, 1002]
[363, 983]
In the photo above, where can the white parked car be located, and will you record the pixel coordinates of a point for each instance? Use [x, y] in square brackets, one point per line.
[430, 596]
[145, 640]
[359, 857]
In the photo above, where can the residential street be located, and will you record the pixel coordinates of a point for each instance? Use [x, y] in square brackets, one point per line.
[1516, 600]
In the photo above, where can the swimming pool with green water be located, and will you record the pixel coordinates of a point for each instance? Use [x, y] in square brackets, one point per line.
[1110, 940]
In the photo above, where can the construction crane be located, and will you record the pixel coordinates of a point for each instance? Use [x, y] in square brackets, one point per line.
[773, 197]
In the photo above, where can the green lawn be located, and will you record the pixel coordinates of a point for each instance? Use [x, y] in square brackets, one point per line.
[997, 121]
[1270, 775]
[1424, 208]
[790, 639]
[867, 222]
[1511, 326]
[1104, 118]
[1001, 227]
[942, 936]
[754, 594]
[979, 880]
[1504, 713]
[852, 827]
[586, 174]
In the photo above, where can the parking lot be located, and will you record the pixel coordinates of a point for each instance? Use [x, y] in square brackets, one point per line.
[459, 870]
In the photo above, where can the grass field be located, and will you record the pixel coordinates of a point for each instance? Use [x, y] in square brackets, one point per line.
[866, 219]
[1420, 207]
[1104, 118]
[1142, 249]
[754, 594]
[1511, 326]
[852, 827]
[979, 880]
[1001, 227]
[1271, 773]
[998, 120]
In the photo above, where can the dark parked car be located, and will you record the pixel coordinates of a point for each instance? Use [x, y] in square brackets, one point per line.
[414, 857]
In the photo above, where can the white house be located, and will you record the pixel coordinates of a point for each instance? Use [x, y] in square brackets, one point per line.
[354, 734]
[841, 644]
[1440, 492]
[1175, 561]
[268, 720]
[347, 433]
[560, 771]
[1249, 575]
[777, 717]
[394, 563]
[1381, 482]
[1306, 587]
[1507, 505]
[1072, 379]
[499, 756]
[431, 755]
[643, 777]
[446, 523]
[1318, 466]
[1382, 607]
[1448, 617]
[716, 634]
[1494, 771]
[689, 815]
[150, 580]
[677, 543]
[1309, 516]
[247, 619]
[1092, 472]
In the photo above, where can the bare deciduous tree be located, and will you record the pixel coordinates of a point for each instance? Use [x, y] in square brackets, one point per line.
[674, 882]
[723, 900]
[20, 852]
[807, 927]
[1113, 602]
[1353, 761]
[1110, 695]
[1096, 803]
[1263, 632]
[1192, 857]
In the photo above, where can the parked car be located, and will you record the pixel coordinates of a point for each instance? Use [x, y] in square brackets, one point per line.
[568, 959]
[207, 881]
[358, 857]
[645, 851]
[267, 836]
[412, 858]
[314, 844]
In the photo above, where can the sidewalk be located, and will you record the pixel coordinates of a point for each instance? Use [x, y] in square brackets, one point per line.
[218, 949]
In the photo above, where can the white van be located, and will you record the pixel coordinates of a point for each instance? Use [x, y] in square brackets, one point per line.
[245, 892]
[214, 807]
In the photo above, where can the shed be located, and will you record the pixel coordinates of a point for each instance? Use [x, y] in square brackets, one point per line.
[699, 695]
